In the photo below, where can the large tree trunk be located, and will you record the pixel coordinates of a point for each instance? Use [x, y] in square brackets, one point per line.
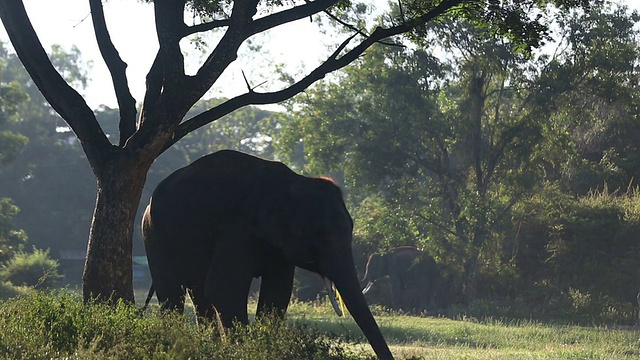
[108, 267]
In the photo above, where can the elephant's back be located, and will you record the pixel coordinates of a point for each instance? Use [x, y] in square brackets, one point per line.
[208, 191]
[227, 168]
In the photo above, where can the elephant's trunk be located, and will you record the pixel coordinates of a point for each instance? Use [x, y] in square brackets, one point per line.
[343, 274]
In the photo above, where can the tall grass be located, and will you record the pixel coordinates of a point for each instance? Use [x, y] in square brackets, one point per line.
[58, 326]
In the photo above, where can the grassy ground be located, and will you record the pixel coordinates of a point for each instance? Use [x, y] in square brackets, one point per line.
[438, 338]
[57, 325]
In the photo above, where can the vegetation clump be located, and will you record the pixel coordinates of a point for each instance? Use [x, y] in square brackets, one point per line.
[34, 269]
[42, 325]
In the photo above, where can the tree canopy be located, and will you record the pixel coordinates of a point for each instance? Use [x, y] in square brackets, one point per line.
[120, 168]
[449, 153]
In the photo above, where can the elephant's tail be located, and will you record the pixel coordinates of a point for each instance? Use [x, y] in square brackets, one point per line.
[149, 296]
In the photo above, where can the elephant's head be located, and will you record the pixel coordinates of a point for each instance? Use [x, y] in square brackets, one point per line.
[375, 269]
[310, 223]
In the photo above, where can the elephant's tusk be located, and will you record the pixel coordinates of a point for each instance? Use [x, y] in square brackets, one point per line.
[367, 288]
[328, 284]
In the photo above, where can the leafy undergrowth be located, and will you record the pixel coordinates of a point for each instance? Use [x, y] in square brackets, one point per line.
[57, 325]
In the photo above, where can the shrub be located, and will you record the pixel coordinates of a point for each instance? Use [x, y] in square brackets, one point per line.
[579, 258]
[35, 269]
[58, 325]
[8, 290]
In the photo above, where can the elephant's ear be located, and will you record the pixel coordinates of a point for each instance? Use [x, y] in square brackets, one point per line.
[270, 222]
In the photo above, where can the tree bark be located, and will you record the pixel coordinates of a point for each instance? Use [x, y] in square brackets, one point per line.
[108, 266]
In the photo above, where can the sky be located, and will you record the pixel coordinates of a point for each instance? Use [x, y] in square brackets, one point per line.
[298, 45]
[132, 30]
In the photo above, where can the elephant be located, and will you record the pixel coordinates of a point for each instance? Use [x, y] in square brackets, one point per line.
[228, 217]
[412, 276]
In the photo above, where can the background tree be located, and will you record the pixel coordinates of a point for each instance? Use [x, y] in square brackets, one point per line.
[449, 159]
[50, 180]
[592, 83]
[446, 155]
[120, 168]
[11, 97]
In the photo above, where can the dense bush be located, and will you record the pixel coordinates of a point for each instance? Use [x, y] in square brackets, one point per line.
[8, 290]
[58, 325]
[35, 269]
[579, 259]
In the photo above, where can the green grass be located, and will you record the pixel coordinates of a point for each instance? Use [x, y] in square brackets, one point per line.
[438, 338]
[55, 326]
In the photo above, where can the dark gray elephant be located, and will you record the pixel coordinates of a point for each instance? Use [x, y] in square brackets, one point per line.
[412, 277]
[213, 226]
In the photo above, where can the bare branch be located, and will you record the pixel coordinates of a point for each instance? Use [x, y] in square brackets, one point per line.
[246, 82]
[225, 52]
[62, 97]
[216, 24]
[334, 62]
[355, 29]
[289, 15]
[249, 87]
[117, 68]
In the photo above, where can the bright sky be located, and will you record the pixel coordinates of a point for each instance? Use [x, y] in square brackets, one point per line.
[300, 45]
[131, 27]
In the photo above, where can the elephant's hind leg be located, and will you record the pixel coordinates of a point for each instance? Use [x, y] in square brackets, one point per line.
[171, 297]
[204, 309]
[169, 289]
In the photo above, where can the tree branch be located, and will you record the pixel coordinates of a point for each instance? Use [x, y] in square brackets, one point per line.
[170, 27]
[334, 62]
[62, 97]
[207, 26]
[355, 29]
[225, 52]
[117, 68]
[289, 15]
[153, 83]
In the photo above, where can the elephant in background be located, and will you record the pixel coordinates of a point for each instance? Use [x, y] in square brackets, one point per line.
[228, 217]
[412, 276]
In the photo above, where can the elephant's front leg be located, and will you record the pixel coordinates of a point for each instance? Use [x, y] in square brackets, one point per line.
[276, 286]
[396, 292]
[227, 284]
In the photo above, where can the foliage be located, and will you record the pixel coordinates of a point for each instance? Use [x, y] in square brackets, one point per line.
[8, 290]
[121, 169]
[12, 96]
[38, 325]
[35, 269]
[570, 249]
[11, 240]
[446, 153]
[44, 325]
[49, 180]
[408, 138]
[596, 117]
[53, 185]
